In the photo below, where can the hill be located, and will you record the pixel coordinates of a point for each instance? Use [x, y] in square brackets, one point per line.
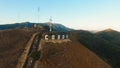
[55, 26]
[16, 25]
[69, 55]
[105, 44]
[12, 44]
[111, 36]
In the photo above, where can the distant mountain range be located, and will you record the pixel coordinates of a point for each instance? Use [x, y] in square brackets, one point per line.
[55, 26]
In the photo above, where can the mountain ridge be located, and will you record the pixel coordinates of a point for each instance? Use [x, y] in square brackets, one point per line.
[56, 26]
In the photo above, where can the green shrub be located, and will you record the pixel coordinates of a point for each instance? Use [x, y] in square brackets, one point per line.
[35, 55]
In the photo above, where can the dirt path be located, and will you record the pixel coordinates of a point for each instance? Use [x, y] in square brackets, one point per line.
[23, 57]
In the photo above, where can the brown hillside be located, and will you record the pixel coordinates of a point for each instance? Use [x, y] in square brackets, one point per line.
[69, 55]
[12, 43]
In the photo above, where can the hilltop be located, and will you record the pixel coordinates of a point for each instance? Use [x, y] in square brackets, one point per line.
[69, 55]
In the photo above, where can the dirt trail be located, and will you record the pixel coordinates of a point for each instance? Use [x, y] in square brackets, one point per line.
[24, 55]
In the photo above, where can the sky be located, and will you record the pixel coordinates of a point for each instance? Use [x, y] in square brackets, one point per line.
[77, 14]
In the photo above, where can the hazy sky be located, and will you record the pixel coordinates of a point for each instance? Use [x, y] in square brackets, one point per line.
[78, 14]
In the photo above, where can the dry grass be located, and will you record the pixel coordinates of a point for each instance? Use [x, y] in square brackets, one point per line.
[12, 43]
[53, 55]
[69, 55]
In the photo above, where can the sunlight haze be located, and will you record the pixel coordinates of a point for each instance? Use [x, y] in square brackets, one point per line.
[77, 14]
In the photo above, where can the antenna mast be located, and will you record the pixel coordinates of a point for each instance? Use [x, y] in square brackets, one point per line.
[38, 14]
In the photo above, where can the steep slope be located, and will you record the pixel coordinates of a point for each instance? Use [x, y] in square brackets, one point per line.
[110, 35]
[12, 44]
[69, 55]
[103, 44]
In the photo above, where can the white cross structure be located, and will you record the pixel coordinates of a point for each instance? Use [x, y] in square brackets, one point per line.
[50, 24]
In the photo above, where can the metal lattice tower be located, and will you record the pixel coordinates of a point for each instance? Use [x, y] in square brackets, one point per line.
[38, 14]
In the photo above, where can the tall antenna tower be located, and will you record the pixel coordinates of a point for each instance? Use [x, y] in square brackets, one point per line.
[50, 24]
[38, 14]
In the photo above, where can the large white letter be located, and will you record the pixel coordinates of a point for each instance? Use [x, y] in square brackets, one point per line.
[53, 37]
[63, 36]
[67, 36]
[46, 37]
[58, 37]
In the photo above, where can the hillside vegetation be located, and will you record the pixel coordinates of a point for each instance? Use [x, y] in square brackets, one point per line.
[12, 44]
[105, 44]
[69, 55]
